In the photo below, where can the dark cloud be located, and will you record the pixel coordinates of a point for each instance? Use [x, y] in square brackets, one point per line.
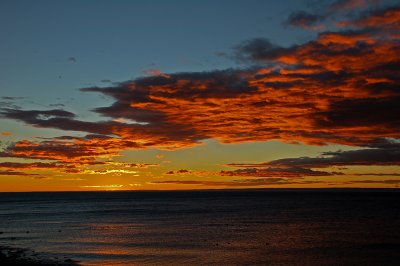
[183, 171]
[326, 14]
[10, 98]
[289, 172]
[30, 166]
[56, 118]
[239, 183]
[42, 177]
[53, 166]
[17, 173]
[304, 19]
[258, 49]
[377, 174]
[72, 59]
[383, 153]
[30, 116]
[179, 172]
[386, 182]
[352, 112]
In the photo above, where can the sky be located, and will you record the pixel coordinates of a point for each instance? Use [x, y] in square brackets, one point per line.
[158, 95]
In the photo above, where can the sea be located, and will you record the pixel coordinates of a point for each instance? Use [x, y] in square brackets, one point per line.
[207, 227]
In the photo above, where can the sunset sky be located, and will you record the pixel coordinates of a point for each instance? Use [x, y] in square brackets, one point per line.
[131, 95]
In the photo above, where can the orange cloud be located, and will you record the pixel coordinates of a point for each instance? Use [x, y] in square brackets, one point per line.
[6, 134]
[70, 155]
[388, 18]
[349, 4]
[155, 72]
[104, 187]
[318, 92]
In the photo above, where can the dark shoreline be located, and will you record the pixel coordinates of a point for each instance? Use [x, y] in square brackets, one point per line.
[12, 256]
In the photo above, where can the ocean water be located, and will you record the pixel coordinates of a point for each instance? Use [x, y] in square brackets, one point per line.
[237, 227]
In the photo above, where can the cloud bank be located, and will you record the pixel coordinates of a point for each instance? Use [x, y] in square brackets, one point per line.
[341, 87]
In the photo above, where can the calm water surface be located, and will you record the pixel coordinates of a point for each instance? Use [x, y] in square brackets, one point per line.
[248, 227]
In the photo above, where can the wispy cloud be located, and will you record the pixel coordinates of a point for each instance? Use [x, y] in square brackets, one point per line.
[179, 172]
[287, 172]
[382, 153]
[72, 59]
[111, 171]
[388, 181]
[39, 165]
[6, 134]
[345, 5]
[16, 173]
[305, 20]
[104, 187]
[239, 183]
[326, 14]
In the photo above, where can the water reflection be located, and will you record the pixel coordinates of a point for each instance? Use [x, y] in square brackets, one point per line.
[208, 229]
